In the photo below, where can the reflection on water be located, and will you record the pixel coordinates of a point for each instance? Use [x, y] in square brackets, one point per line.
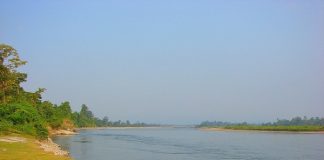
[83, 139]
[190, 143]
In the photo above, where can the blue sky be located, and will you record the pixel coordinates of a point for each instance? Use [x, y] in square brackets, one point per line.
[173, 61]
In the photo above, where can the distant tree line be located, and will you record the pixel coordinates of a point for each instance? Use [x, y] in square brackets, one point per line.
[25, 112]
[296, 121]
[218, 123]
[85, 118]
[127, 123]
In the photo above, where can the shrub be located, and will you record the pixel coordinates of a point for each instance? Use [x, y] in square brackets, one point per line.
[5, 126]
[25, 128]
[41, 131]
[22, 118]
[55, 123]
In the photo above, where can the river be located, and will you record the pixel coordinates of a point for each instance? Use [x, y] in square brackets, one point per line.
[191, 144]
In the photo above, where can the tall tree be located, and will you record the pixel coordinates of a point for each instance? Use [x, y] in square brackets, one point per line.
[10, 78]
[86, 117]
[86, 112]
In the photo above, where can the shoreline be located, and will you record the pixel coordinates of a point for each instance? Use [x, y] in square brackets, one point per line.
[17, 146]
[257, 131]
[62, 132]
[50, 146]
[46, 147]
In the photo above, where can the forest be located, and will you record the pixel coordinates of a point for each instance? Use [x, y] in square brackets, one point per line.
[24, 112]
[296, 121]
[294, 124]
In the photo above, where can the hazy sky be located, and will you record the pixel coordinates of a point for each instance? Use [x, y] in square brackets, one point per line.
[173, 61]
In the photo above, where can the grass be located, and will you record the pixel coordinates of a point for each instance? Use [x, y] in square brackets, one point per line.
[28, 150]
[276, 128]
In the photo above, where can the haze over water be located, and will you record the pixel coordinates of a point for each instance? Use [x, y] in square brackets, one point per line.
[191, 144]
[167, 62]
[181, 62]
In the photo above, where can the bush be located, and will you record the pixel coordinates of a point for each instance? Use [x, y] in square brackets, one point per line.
[41, 131]
[55, 123]
[22, 118]
[5, 126]
[25, 128]
[19, 113]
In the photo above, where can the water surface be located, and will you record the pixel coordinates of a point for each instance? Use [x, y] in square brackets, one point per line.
[191, 144]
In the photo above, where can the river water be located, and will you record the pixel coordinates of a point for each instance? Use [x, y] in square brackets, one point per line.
[191, 144]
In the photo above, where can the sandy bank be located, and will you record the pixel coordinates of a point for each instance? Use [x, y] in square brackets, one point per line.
[49, 146]
[10, 139]
[17, 146]
[62, 132]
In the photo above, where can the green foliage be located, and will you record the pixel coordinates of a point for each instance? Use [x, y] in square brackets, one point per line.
[5, 126]
[18, 113]
[46, 110]
[21, 111]
[25, 112]
[22, 118]
[9, 57]
[296, 124]
[64, 110]
[25, 118]
[10, 79]
[41, 131]
[298, 121]
[85, 118]
[26, 129]
[102, 122]
[276, 128]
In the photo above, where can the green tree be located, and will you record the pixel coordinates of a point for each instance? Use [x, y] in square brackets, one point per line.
[105, 121]
[86, 118]
[65, 110]
[10, 79]
[86, 112]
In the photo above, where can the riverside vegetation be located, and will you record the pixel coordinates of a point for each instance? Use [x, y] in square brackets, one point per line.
[24, 113]
[296, 124]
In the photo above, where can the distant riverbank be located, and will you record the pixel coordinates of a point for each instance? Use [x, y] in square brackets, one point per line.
[278, 129]
[94, 128]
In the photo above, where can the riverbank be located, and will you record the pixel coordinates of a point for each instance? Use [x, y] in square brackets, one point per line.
[62, 132]
[15, 147]
[258, 130]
